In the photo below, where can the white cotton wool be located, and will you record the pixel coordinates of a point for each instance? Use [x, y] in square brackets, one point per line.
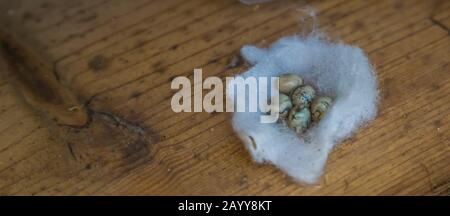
[334, 69]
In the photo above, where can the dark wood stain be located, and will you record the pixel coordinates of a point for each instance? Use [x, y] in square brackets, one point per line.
[135, 94]
[158, 67]
[235, 61]
[135, 151]
[138, 31]
[98, 63]
[174, 47]
[45, 5]
[27, 73]
[88, 18]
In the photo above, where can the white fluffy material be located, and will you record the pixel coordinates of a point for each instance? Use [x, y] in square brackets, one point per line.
[334, 69]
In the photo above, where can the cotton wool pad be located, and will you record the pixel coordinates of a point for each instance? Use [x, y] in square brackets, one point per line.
[334, 69]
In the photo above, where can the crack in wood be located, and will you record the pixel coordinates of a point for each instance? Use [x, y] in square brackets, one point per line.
[131, 126]
[439, 24]
[69, 145]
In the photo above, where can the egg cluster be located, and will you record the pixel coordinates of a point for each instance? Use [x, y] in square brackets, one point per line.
[298, 104]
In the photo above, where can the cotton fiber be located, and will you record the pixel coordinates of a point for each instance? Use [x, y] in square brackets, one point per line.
[340, 71]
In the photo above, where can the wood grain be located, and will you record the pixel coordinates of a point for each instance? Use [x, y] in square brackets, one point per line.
[119, 57]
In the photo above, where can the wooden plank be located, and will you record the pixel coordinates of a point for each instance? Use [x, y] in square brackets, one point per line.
[120, 63]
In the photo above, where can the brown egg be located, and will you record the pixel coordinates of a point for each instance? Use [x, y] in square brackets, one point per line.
[289, 82]
[319, 107]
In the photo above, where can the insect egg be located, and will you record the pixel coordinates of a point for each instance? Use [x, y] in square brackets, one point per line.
[284, 103]
[303, 95]
[299, 118]
[288, 82]
[319, 107]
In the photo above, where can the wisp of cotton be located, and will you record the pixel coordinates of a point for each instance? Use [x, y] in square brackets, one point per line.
[335, 69]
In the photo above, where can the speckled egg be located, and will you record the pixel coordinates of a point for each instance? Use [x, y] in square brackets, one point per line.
[303, 95]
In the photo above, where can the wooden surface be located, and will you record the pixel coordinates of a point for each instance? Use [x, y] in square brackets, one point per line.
[118, 58]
